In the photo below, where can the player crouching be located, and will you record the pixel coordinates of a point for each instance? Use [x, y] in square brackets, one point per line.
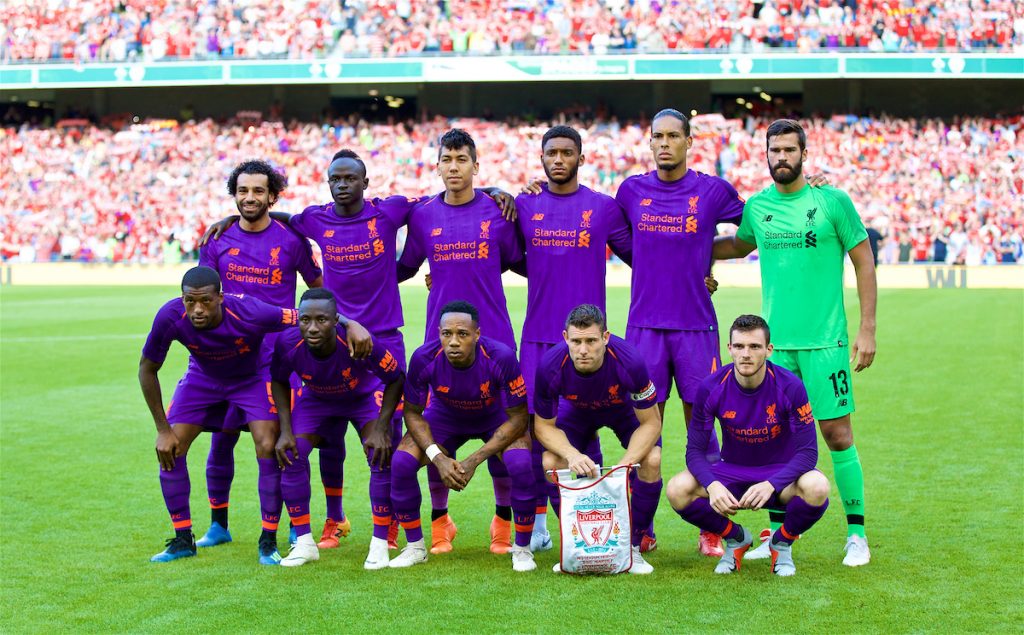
[769, 451]
[336, 390]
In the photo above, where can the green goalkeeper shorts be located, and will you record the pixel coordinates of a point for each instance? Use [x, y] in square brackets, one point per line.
[826, 375]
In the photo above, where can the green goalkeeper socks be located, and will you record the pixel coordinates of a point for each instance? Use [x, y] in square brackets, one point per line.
[850, 480]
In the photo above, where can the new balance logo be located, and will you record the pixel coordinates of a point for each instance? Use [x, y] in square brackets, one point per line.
[645, 203]
[768, 218]
[810, 239]
[537, 217]
[329, 233]
[435, 232]
[234, 251]
[729, 414]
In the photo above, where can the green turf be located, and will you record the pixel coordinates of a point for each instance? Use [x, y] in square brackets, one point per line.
[939, 429]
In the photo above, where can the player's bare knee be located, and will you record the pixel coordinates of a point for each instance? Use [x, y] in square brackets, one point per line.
[552, 461]
[650, 466]
[681, 489]
[814, 488]
[838, 433]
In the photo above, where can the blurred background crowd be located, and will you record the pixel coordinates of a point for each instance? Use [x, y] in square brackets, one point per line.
[935, 191]
[153, 30]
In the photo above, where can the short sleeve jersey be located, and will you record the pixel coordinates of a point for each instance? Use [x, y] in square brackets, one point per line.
[565, 237]
[230, 350]
[674, 225]
[262, 264]
[490, 384]
[621, 384]
[467, 247]
[337, 377]
[802, 240]
[359, 255]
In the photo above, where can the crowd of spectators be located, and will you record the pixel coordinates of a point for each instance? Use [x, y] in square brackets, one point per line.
[947, 191]
[152, 30]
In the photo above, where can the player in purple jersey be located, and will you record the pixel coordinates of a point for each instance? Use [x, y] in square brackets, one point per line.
[468, 244]
[565, 228]
[769, 451]
[223, 335]
[674, 212]
[336, 390]
[476, 392]
[593, 380]
[357, 239]
[262, 258]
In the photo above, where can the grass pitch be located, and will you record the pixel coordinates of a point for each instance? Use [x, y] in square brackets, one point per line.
[939, 429]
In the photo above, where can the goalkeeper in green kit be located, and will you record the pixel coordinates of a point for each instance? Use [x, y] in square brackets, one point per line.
[802, 235]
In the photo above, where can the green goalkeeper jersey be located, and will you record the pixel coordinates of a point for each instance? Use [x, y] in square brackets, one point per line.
[802, 239]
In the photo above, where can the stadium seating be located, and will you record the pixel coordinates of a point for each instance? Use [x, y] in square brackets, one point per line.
[89, 193]
[120, 30]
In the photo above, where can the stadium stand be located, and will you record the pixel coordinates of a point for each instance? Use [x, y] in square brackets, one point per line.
[948, 191]
[127, 30]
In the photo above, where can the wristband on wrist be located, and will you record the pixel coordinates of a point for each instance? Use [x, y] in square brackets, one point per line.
[432, 452]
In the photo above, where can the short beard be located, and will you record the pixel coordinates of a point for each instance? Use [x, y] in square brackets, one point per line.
[258, 217]
[569, 175]
[668, 167]
[794, 173]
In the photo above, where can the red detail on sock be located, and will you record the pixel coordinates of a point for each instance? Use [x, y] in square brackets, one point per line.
[410, 524]
[296, 520]
[787, 535]
[382, 521]
[728, 528]
[334, 491]
[182, 524]
[540, 511]
[523, 529]
[269, 526]
[214, 505]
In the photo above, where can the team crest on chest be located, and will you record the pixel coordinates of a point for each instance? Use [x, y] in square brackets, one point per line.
[770, 411]
[485, 229]
[585, 217]
[371, 226]
[275, 254]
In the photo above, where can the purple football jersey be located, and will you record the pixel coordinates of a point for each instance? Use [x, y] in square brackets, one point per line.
[674, 225]
[467, 247]
[231, 349]
[772, 424]
[621, 384]
[492, 383]
[262, 264]
[359, 257]
[337, 377]
[565, 237]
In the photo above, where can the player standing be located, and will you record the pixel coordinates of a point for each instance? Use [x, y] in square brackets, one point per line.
[261, 258]
[336, 390]
[803, 235]
[769, 450]
[476, 392]
[674, 212]
[223, 335]
[582, 385]
[565, 228]
[468, 244]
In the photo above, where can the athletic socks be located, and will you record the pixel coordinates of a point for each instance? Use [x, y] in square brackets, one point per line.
[295, 487]
[406, 497]
[850, 480]
[645, 504]
[332, 474]
[270, 493]
[176, 488]
[519, 467]
[220, 471]
[380, 501]
[800, 516]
